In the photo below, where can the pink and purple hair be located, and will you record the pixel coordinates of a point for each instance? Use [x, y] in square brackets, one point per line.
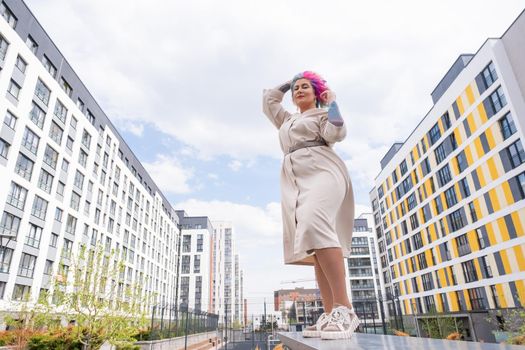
[318, 84]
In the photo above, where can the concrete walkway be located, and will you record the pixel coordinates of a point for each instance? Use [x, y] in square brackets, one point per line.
[362, 341]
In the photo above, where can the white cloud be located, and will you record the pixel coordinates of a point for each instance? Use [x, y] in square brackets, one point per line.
[235, 165]
[136, 128]
[169, 174]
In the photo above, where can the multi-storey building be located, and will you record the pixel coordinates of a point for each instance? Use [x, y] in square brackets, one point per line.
[196, 272]
[449, 202]
[364, 282]
[227, 289]
[299, 305]
[68, 178]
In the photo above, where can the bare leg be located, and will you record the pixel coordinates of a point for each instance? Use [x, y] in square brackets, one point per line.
[324, 287]
[331, 262]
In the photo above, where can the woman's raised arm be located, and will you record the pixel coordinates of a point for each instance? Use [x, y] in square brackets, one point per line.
[272, 107]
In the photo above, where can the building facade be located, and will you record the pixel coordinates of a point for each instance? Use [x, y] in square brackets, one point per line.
[364, 282]
[68, 178]
[228, 290]
[449, 208]
[196, 272]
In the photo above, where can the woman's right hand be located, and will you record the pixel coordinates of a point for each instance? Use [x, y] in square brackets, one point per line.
[285, 87]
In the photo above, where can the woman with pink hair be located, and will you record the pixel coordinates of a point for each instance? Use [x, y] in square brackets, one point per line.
[316, 195]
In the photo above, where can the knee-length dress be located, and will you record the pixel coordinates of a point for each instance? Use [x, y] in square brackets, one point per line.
[317, 200]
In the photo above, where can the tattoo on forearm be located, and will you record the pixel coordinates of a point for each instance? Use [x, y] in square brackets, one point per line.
[334, 115]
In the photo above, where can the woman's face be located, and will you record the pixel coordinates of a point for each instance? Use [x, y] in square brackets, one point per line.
[304, 94]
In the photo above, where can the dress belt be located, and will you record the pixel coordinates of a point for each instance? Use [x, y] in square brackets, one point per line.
[305, 144]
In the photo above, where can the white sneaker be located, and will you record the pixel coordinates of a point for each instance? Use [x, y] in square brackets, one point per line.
[314, 331]
[342, 325]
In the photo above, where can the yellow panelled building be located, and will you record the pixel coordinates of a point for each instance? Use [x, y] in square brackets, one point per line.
[449, 202]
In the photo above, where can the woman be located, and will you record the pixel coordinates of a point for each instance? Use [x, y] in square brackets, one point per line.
[316, 195]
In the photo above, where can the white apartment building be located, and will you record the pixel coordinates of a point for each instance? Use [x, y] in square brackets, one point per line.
[67, 177]
[449, 204]
[227, 292]
[196, 270]
[364, 282]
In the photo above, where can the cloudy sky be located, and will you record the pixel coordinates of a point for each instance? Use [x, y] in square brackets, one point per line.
[182, 81]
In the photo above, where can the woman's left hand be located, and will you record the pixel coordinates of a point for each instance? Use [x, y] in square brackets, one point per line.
[328, 97]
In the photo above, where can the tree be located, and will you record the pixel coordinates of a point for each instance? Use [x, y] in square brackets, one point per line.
[439, 327]
[100, 298]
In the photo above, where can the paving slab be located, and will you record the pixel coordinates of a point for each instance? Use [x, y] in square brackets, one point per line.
[362, 341]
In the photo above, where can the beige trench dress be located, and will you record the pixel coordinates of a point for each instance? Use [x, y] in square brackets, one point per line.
[316, 193]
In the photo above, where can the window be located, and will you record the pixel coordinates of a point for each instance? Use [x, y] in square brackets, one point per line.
[463, 245]
[418, 242]
[66, 87]
[5, 259]
[10, 120]
[17, 196]
[75, 201]
[414, 223]
[14, 89]
[4, 148]
[444, 175]
[8, 15]
[37, 115]
[39, 208]
[31, 43]
[34, 235]
[435, 134]
[42, 92]
[60, 111]
[86, 139]
[79, 180]
[481, 239]
[51, 157]
[50, 67]
[427, 281]
[3, 47]
[497, 100]
[56, 132]
[469, 271]
[403, 167]
[440, 153]
[495, 296]
[463, 183]
[45, 181]
[516, 154]
[21, 64]
[60, 188]
[90, 117]
[67, 249]
[71, 224]
[461, 161]
[489, 75]
[24, 167]
[485, 267]
[48, 268]
[520, 179]
[445, 118]
[186, 243]
[185, 267]
[10, 224]
[27, 265]
[58, 214]
[54, 240]
[30, 141]
[69, 143]
[422, 261]
[196, 264]
[507, 127]
[21, 292]
[456, 220]
[450, 196]
[65, 165]
[80, 104]
[82, 158]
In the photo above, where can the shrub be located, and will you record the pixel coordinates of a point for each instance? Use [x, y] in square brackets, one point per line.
[401, 334]
[454, 336]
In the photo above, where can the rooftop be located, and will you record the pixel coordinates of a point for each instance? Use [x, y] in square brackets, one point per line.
[363, 341]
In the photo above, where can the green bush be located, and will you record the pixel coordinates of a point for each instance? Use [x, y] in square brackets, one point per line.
[127, 346]
[51, 341]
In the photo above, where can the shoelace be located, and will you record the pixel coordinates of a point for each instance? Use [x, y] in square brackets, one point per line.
[339, 317]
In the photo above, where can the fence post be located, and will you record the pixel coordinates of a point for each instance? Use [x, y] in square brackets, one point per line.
[152, 316]
[382, 311]
[186, 331]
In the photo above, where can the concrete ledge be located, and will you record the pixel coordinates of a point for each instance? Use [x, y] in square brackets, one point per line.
[363, 341]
